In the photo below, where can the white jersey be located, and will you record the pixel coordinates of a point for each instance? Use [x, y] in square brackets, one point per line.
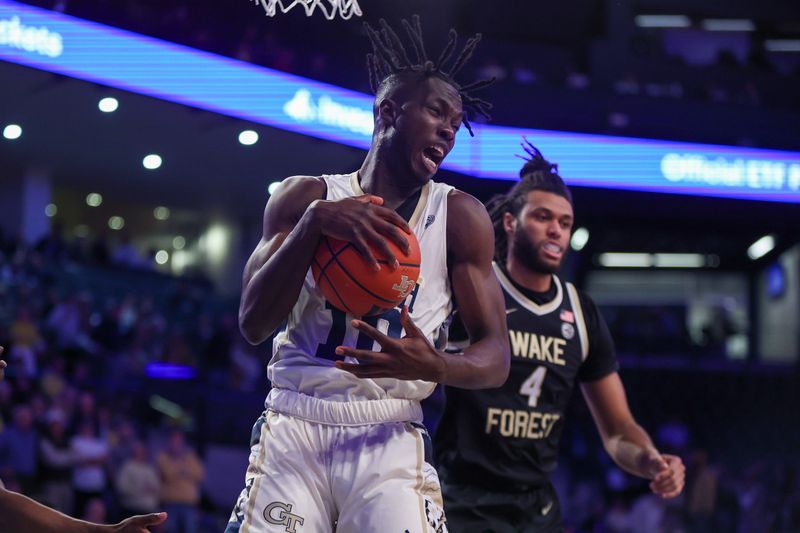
[303, 352]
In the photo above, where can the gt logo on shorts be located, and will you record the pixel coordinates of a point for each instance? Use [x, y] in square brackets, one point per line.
[282, 517]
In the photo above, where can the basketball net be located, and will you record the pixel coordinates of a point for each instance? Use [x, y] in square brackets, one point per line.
[330, 8]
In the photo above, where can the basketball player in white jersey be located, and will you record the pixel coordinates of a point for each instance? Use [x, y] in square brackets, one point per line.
[341, 444]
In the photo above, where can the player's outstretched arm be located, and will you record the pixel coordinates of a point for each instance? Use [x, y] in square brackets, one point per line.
[294, 220]
[626, 442]
[486, 361]
[20, 514]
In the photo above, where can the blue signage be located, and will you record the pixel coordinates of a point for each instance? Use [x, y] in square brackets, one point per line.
[94, 52]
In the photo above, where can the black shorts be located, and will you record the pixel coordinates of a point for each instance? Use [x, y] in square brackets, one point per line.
[473, 509]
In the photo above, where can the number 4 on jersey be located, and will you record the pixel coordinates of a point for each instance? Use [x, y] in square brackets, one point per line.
[532, 387]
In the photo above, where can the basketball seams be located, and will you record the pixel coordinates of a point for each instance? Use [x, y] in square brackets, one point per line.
[411, 265]
[335, 292]
[321, 266]
[354, 280]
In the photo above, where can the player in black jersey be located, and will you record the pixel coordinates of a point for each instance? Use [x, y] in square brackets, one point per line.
[496, 447]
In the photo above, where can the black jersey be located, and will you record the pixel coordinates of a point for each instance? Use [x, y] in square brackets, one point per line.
[510, 434]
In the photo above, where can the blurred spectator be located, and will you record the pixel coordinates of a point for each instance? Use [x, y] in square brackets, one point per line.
[126, 255]
[138, 484]
[672, 436]
[56, 464]
[18, 449]
[89, 474]
[618, 519]
[701, 494]
[95, 511]
[181, 474]
[122, 441]
[178, 352]
[65, 322]
[26, 343]
[647, 513]
[86, 411]
[52, 246]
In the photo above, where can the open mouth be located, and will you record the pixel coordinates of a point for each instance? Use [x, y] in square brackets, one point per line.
[552, 249]
[433, 157]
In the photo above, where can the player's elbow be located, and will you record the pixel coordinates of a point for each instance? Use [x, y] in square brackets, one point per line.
[252, 330]
[501, 371]
[497, 373]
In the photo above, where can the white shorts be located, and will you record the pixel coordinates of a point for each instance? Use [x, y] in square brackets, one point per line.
[311, 476]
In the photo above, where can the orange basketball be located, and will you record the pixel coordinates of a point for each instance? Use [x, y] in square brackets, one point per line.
[348, 282]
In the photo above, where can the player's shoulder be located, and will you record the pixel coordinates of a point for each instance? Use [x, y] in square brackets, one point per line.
[588, 305]
[300, 186]
[291, 198]
[468, 224]
[464, 208]
[297, 192]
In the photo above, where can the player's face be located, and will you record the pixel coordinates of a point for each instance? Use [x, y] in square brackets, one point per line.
[540, 235]
[426, 126]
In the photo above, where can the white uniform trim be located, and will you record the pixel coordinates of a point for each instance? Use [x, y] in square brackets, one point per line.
[579, 321]
[341, 413]
[525, 302]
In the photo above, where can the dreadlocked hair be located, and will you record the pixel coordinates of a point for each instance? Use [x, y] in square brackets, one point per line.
[537, 174]
[389, 57]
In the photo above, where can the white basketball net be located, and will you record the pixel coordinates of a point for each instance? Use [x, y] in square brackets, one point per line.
[330, 8]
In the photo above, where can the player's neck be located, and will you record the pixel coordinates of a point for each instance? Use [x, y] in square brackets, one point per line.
[530, 279]
[376, 176]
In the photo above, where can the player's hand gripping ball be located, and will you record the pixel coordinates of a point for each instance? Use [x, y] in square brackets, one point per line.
[350, 284]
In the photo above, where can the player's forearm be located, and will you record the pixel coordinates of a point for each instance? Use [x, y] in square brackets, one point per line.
[482, 365]
[628, 447]
[20, 514]
[273, 288]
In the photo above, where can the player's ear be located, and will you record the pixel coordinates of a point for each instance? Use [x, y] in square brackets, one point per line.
[509, 222]
[388, 111]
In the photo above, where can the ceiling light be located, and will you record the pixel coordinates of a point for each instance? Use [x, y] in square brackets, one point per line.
[272, 187]
[626, 260]
[761, 247]
[108, 105]
[679, 261]
[162, 256]
[782, 45]
[12, 131]
[116, 223]
[178, 242]
[579, 239]
[51, 210]
[728, 25]
[94, 199]
[151, 161]
[161, 213]
[248, 137]
[663, 21]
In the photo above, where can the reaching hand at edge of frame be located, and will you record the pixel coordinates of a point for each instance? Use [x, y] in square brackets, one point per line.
[2, 365]
[137, 524]
[667, 474]
[411, 357]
